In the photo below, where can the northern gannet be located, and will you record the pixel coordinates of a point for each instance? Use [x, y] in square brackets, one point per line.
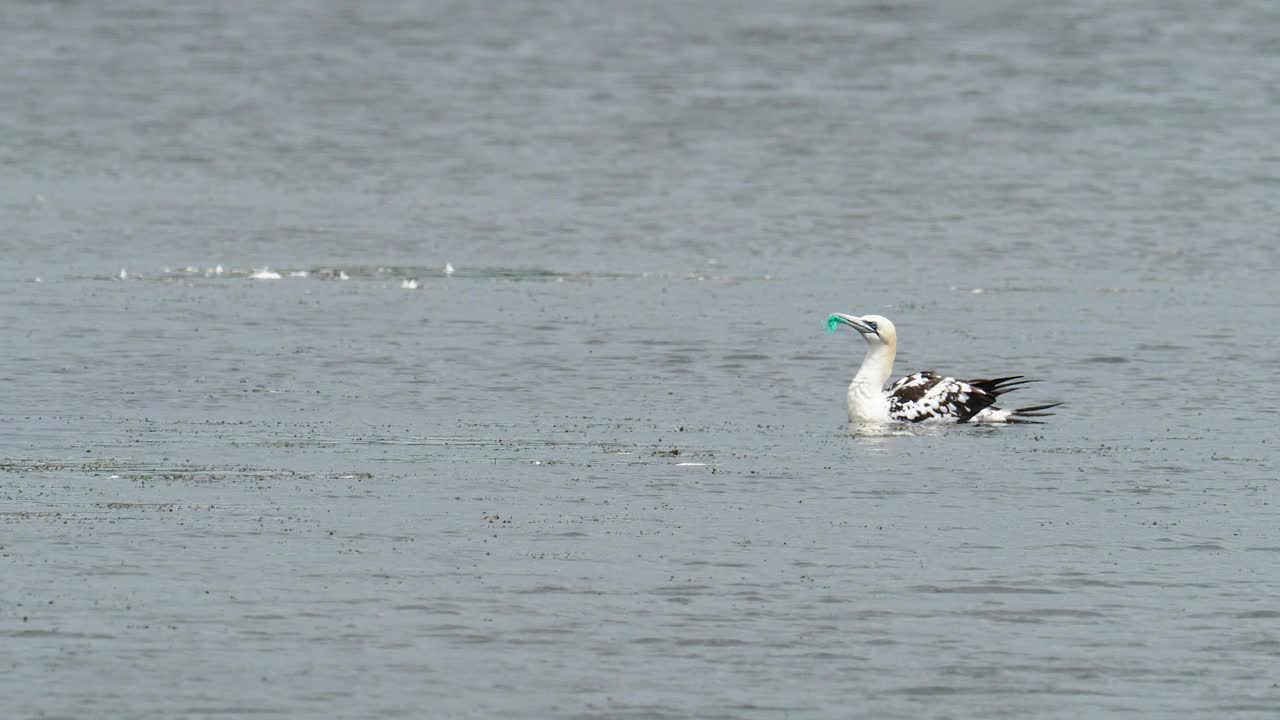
[924, 396]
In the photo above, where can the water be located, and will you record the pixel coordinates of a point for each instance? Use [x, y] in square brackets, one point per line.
[602, 469]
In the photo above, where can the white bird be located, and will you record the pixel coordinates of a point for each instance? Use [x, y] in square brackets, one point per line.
[924, 396]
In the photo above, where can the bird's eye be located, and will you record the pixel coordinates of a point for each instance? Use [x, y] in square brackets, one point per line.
[873, 325]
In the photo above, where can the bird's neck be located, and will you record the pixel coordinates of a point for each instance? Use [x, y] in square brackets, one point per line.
[876, 368]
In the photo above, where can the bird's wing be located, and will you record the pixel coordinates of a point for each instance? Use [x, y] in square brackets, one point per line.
[930, 396]
[1000, 385]
[924, 378]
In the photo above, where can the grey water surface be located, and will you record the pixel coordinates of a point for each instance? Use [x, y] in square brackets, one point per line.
[602, 470]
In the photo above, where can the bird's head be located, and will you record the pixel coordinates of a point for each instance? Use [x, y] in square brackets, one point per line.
[875, 329]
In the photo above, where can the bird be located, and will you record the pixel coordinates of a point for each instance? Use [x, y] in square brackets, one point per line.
[924, 396]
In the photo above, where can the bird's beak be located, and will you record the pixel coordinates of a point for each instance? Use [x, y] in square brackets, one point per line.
[854, 322]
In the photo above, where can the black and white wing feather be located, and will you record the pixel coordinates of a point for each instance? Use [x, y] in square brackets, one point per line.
[930, 396]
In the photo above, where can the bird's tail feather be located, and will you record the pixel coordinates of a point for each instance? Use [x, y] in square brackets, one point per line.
[1019, 415]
